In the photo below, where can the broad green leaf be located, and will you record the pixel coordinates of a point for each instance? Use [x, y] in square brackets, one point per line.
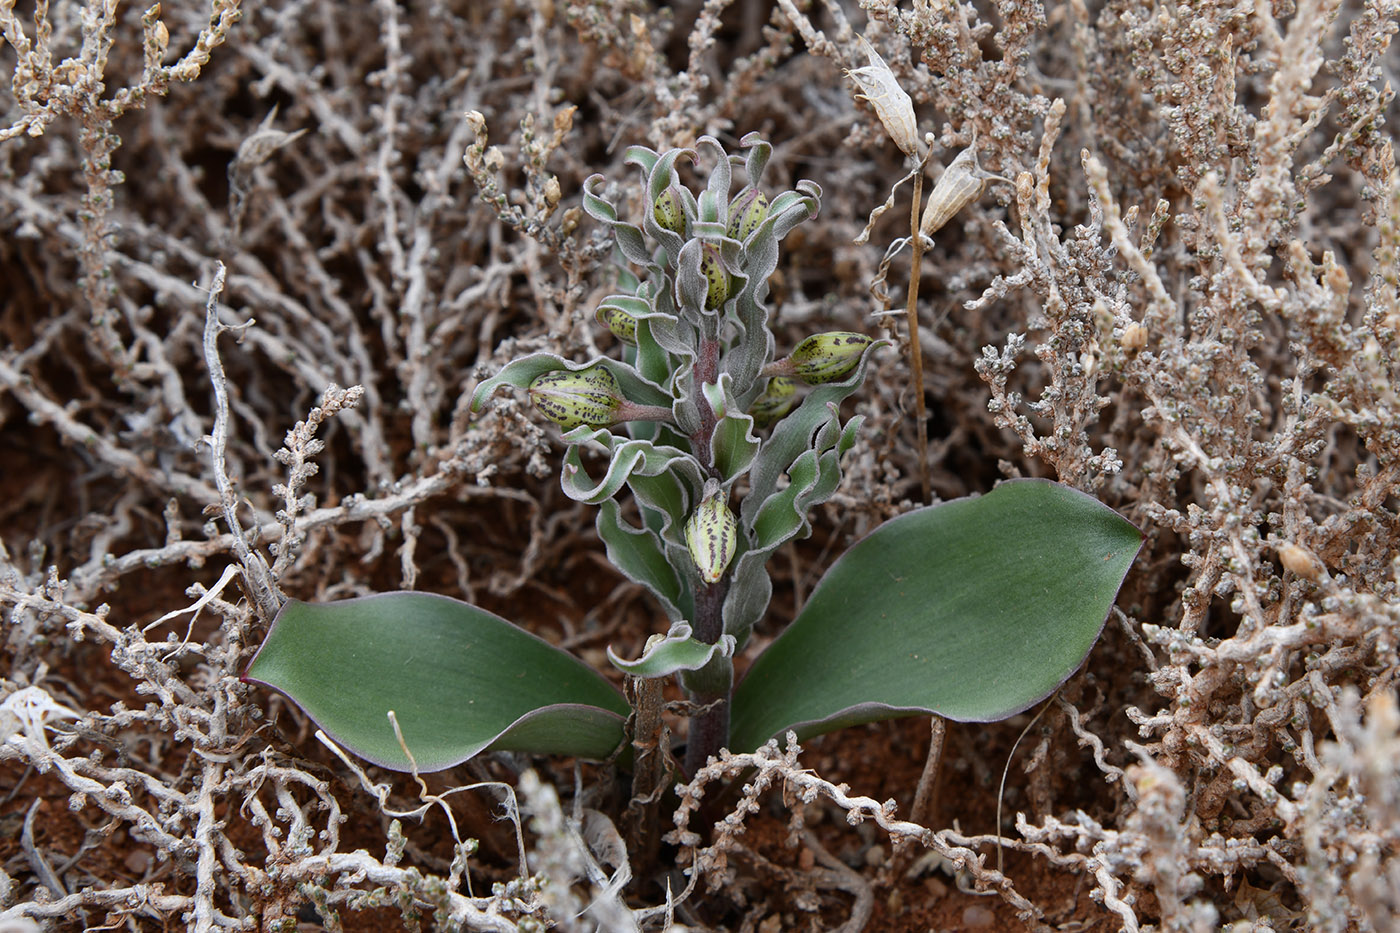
[459, 680]
[974, 609]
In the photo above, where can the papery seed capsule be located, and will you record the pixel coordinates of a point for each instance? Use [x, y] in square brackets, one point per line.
[590, 396]
[777, 400]
[823, 358]
[747, 214]
[891, 102]
[670, 211]
[711, 535]
[716, 278]
[960, 184]
[622, 325]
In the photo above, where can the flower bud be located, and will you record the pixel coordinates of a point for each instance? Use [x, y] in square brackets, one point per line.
[622, 325]
[591, 396]
[777, 400]
[823, 358]
[747, 214]
[716, 277]
[669, 211]
[711, 534]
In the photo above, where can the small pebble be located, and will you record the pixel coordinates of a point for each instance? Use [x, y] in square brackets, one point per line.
[978, 917]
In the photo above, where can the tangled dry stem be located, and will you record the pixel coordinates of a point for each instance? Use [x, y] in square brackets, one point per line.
[1188, 303]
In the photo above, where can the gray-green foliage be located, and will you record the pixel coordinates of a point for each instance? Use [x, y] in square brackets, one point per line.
[709, 365]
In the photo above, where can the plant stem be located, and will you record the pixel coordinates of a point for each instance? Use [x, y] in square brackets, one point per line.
[709, 732]
[706, 370]
[711, 686]
[641, 821]
[916, 350]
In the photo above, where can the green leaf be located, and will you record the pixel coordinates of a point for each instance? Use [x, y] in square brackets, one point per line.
[974, 609]
[459, 680]
[627, 458]
[794, 434]
[525, 370]
[628, 236]
[641, 556]
[732, 440]
[675, 651]
[813, 477]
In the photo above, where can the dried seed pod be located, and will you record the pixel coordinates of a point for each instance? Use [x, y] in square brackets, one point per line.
[711, 535]
[716, 278]
[961, 183]
[823, 358]
[569, 399]
[747, 214]
[669, 211]
[777, 400]
[622, 325]
[892, 105]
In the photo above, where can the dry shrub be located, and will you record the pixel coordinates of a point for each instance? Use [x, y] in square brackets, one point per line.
[1187, 303]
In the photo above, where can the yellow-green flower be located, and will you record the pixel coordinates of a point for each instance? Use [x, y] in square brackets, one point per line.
[622, 325]
[670, 211]
[569, 399]
[777, 400]
[747, 213]
[716, 278]
[823, 358]
[712, 534]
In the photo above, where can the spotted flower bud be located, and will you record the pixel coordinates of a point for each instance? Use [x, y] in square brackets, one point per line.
[823, 358]
[747, 214]
[716, 277]
[591, 396]
[777, 400]
[669, 211]
[622, 325]
[711, 534]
